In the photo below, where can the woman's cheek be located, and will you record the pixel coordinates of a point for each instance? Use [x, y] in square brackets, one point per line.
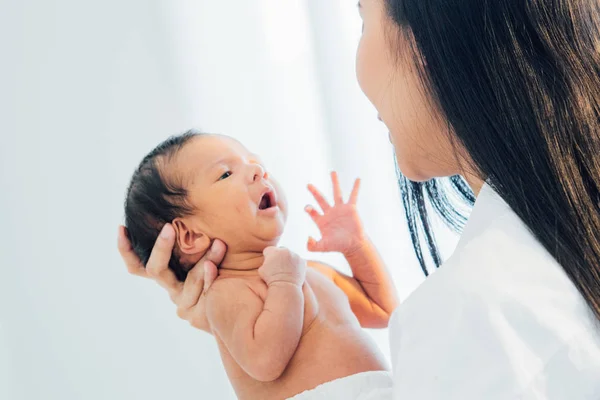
[372, 68]
[361, 59]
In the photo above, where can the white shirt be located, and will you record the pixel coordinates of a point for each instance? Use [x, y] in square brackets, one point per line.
[499, 320]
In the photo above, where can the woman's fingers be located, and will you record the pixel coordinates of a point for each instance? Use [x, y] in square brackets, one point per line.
[337, 191]
[187, 295]
[192, 288]
[216, 253]
[210, 274]
[319, 198]
[158, 263]
[197, 283]
[202, 275]
[191, 304]
[354, 194]
[132, 261]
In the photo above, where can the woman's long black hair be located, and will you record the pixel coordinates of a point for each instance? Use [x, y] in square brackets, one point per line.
[519, 83]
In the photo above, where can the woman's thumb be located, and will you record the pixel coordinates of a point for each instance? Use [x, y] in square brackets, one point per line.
[210, 274]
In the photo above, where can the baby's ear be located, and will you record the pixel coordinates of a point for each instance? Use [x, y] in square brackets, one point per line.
[190, 241]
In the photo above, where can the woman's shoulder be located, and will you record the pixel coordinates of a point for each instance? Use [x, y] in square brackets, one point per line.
[500, 307]
[505, 262]
[502, 269]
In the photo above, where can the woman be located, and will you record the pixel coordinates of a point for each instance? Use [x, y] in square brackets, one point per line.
[505, 93]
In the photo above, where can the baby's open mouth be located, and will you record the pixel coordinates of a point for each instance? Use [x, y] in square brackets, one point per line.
[267, 201]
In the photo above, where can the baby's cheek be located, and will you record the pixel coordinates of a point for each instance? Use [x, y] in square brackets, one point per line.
[281, 199]
[283, 206]
[217, 219]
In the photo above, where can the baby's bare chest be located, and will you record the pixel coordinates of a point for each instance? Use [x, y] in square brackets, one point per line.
[322, 299]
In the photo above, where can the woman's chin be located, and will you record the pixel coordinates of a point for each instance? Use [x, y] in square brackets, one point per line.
[409, 171]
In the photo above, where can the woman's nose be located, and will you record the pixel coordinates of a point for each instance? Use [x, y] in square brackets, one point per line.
[258, 172]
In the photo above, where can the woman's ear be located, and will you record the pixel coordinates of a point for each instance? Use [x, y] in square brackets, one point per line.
[189, 240]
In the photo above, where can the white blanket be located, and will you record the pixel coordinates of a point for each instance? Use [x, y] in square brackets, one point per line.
[364, 386]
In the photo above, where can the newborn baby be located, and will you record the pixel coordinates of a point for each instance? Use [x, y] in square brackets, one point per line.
[283, 329]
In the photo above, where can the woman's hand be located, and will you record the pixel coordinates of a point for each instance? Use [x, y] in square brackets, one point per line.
[340, 226]
[187, 295]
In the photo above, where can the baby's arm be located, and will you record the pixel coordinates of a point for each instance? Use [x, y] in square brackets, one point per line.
[371, 291]
[261, 337]
[374, 279]
[372, 309]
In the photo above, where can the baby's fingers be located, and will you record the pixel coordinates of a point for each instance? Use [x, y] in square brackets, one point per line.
[337, 190]
[354, 194]
[313, 245]
[319, 198]
[314, 214]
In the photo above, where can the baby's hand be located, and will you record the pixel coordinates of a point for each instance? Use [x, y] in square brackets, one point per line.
[281, 265]
[340, 225]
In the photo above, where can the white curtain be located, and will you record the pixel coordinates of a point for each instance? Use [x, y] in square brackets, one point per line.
[87, 89]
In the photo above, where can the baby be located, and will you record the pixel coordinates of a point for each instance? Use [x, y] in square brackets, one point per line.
[283, 330]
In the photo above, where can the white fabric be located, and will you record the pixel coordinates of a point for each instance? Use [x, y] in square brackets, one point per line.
[500, 320]
[364, 386]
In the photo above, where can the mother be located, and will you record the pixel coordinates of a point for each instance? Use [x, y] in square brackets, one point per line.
[506, 94]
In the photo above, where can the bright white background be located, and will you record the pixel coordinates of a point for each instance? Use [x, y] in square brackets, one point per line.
[86, 89]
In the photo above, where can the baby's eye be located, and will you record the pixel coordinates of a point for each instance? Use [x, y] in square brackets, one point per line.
[225, 175]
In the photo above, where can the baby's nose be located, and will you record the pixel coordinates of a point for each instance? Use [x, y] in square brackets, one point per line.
[259, 173]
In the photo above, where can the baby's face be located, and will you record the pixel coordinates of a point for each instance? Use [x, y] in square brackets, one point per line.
[235, 198]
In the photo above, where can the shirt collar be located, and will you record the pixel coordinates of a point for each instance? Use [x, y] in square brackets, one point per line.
[488, 206]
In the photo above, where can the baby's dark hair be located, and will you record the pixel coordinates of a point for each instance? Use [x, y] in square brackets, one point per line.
[155, 198]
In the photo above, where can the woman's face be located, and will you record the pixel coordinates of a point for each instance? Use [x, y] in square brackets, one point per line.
[387, 77]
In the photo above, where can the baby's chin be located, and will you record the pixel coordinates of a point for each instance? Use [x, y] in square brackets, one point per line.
[248, 248]
[256, 241]
[261, 242]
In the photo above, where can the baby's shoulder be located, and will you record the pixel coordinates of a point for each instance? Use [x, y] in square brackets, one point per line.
[226, 300]
[233, 290]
